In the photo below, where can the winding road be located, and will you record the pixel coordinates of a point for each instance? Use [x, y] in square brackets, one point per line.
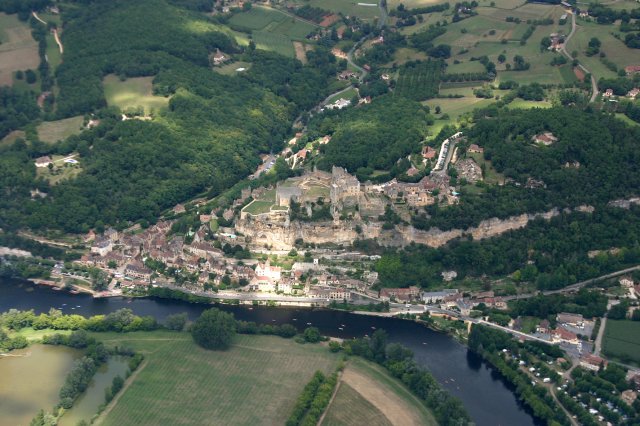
[594, 83]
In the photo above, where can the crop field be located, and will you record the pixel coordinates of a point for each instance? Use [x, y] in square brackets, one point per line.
[18, 50]
[53, 131]
[350, 408]
[275, 42]
[255, 382]
[456, 107]
[615, 49]
[371, 393]
[12, 137]
[132, 93]
[349, 7]
[428, 20]
[406, 54]
[622, 340]
[420, 81]
[272, 21]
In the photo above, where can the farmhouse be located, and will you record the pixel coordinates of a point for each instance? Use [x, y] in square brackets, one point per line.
[43, 161]
[219, 58]
[546, 138]
[346, 75]
[633, 93]
[608, 93]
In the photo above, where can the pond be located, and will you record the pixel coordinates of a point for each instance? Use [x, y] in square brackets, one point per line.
[30, 380]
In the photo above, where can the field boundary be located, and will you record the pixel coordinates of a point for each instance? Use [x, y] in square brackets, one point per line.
[103, 415]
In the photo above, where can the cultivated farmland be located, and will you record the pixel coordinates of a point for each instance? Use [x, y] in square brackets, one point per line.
[369, 395]
[419, 81]
[255, 382]
[18, 50]
[272, 21]
[622, 340]
[275, 42]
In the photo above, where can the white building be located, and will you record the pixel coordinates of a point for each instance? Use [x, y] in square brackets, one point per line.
[266, 270]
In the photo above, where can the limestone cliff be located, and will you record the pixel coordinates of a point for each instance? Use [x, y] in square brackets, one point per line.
[282, 235]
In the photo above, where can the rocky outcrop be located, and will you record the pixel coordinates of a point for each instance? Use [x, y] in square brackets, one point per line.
[281, 236]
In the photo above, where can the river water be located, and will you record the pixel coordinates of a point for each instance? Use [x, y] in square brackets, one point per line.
[486, 396]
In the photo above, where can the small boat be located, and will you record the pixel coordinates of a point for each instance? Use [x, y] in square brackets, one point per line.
[295, 319]
[273, 320]
[308, 323]
[64, 304]
[340, 328]
[424, 343]
[77, 306]
[73, 308]
[452, 379]
[373, 328]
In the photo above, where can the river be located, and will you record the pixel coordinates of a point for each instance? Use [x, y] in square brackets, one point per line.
[486, 396]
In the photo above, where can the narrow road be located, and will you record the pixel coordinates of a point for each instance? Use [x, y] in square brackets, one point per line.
[362, 71]
[35, 15]
[576, 286]
[597, 345]
[594, 83]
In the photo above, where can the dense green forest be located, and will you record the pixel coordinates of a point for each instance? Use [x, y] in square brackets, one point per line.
[373, 136]
[17, 108]
[552, 254]
[593, 162]
[208, 138]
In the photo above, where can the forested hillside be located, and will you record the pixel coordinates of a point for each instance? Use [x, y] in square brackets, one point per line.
[208, 138]
[373, 136]
[594, 161]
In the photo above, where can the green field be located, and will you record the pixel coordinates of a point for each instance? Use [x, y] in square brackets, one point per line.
[53, 131]
[132, 93]
[18, 50]
[258, 207]
[255, 382]
[53, 53]
[272, 21]
[622, 340]
[230, 69]
[419, 81]
[348, 7]
[615, 49]
[275, 42]
[369, 395]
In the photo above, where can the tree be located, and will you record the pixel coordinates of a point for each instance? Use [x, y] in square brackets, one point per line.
[312, 335]
[214, 329]
[502, 58]
[176, 322]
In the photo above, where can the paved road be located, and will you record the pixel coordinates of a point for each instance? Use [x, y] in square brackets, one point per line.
[576, 286]
[597, 346]
[594, 83]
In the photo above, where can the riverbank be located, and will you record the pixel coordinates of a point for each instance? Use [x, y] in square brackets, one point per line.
[486, 396]
[76, 289]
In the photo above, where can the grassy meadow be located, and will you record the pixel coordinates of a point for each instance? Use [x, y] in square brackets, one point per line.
[18, 50]
[255, 382]
[622, 340]
[615, 49]
[132, 93]
[53, 131]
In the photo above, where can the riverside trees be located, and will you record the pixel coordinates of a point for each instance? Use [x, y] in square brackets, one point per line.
[214, 329]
